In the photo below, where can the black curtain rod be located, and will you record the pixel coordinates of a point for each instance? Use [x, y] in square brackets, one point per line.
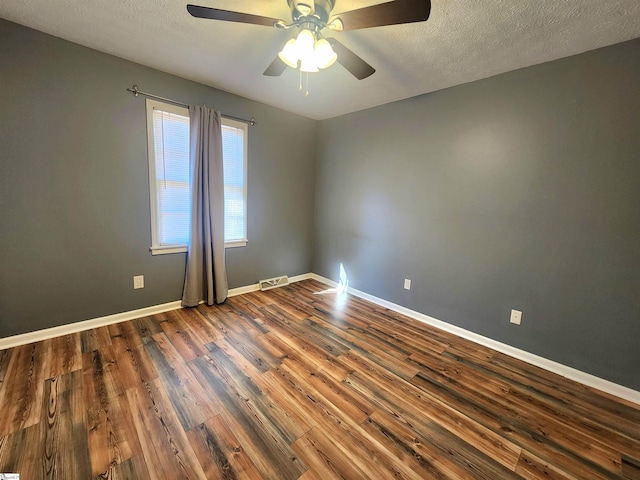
[134, 89]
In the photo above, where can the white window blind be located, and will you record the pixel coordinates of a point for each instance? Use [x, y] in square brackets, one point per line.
[235, 193]
[169, 178]
[171, 145]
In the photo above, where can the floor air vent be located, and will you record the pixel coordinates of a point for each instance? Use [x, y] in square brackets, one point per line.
[274, 282]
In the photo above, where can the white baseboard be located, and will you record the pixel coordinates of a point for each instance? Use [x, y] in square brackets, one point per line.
[39, 335]
[549, 365]
[45, 334]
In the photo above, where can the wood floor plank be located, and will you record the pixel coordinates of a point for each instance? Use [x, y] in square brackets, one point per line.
[19, 452]
[189, 401]
[62, 355]
[276, 318]
[630, 468]
[360, 337]
[492, 415]
[299, 382]
[532, 467]
[104, 336]
[554, 423]
[275, 395]
[166, 449]
[587, 424]
[261, 358]
[394, 394]
[325, 458]
[63, 446]
[5, 357]
[377, 353]
[239, 322]
[89, 340]
[198, 324]
[244, 303]
[295, 308]
[271, 454]
[311, 475]
[568, 388]
[410, 338]
[338, 393]
[133, 468]
[554, 388]
[111, 433]
[298, 346]
[146, 327]
[364, 450]
[435, 459]
[364, 325]
[23, 388]
[220, 453]
[182, 338]
[135, 366]
[548, 391]
[243, 384]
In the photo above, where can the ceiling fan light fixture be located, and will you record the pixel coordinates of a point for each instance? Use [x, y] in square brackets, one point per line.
[305, 44]
[289, 54]
[324, 54]
[305, 50]
[308, 65]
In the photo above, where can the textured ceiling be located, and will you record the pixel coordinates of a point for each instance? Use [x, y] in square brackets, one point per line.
[463, 40]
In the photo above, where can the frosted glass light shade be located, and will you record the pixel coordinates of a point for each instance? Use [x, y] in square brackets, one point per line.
[310, 54]
[324, 54]
[304, 45]
[289, 54]
[308, 65]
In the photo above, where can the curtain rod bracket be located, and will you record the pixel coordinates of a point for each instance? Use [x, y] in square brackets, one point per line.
[134, 90]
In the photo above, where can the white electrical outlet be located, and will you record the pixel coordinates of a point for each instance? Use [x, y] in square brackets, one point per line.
[407, 284]
[516, 317]
[138, 281]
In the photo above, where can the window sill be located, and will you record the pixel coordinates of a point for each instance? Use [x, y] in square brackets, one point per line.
[236, 243]
[168, 249]
[163, 250]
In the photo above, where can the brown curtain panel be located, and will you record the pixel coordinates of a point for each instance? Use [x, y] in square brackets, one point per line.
[206, 274]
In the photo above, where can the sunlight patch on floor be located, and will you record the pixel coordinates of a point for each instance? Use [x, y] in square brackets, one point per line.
[340, 290]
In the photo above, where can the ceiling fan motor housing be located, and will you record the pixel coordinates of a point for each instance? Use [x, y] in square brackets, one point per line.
[320, 9]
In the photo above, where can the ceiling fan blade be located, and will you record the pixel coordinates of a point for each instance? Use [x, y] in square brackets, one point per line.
[276, 68]
[228, 16]
[389, 13]
[352, 62]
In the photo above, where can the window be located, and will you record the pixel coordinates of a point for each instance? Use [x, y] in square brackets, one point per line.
[169, 178]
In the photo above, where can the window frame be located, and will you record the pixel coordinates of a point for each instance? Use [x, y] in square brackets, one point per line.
[228, 122]
[156, 248]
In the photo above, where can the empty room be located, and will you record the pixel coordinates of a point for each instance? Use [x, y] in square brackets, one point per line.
[325, 239]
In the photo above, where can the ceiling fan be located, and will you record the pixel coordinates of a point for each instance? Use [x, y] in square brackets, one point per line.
[309, 50]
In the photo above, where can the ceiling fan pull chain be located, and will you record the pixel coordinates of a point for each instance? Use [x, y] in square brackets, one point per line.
[306, 94]
[300, 87]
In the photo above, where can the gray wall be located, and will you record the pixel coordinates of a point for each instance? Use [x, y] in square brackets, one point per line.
[74, 191]
[519, 191]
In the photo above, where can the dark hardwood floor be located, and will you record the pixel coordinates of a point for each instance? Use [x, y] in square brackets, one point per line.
[291, 384]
